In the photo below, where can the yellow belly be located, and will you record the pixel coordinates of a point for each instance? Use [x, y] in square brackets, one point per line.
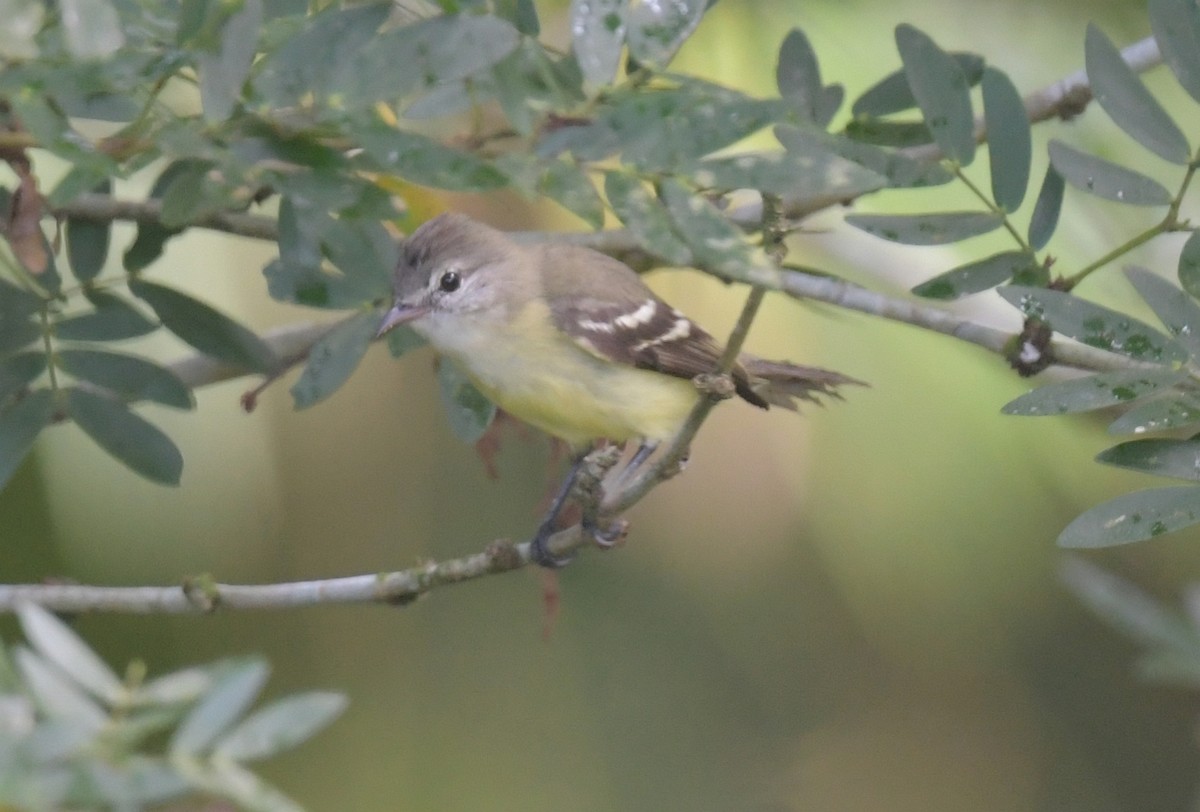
[543, 378]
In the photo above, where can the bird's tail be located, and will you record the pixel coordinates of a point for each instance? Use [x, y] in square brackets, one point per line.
[784, 384]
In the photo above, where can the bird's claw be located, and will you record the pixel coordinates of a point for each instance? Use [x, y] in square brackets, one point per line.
[608, 537]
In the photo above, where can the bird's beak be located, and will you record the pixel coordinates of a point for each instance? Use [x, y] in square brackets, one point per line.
[400, 314]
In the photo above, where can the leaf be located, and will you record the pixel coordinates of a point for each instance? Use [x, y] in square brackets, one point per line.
[280, 726]
[59, 644]
[1105, 179]
[126, 437]
[209, 331]
[228, 699]
[468, 410]
[881, 132]
[1010, 147]
[1128, 103]
[522, 14]
[56, 694]
[597, 35]
[927, 229]
[16, 333]
[92, 28]
[1046, 210]
[1124, 606]
[112, 320]
[332, 359]
[1094, 325]
[941, 91]
[1134, 517]
[973, 277]
[130, 377]
[655, 31]
[527, 82]
[197, 192]
[87, 242]
[645, 217]
[716, 243]
[1178, 312]
[798, 77]
[427, 162]
[570, 186]
[1158, 456]
[1172, 411]
[18, 371]
[814, 175]
[892, 94]
[23, 19]
[899, 170]
[223, 71]
[20, 425]
[153, 235]
[1189, 265]
[16, 303]
[1176, 26]
[1093, 392]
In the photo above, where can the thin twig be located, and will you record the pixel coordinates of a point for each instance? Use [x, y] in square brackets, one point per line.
[104, 208]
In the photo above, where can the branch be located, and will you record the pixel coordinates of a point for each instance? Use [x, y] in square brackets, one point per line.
[103, 208]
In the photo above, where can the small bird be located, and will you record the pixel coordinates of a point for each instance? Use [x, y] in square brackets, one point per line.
[570, 341]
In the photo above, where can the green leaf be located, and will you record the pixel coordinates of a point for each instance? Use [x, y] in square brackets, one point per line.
[87, 243]
[197, 192]
[324, 57]
[1126, 607]
[1134, 517]
[1159, 456]
[884, 133]
[403, 340]
[716, 243]
[1010, 147]
[153, 235]
[1178, 312]
[1189, 265]
[527, 82]
[818, 174]
[427, 162]
[128, 438]
[1128, 103]
[128, 376]
[113, 319]
[892, 94]
[334, 357]
[522, 14]
[60, 645]
[927, 229]
[941, 91]
[1105, 179]
[365, 253]
[20, 425]
[645, 217]
[1093, 392]
[570, 186]
[58, 697]
[597, 36]
[16, 303]
[92, 28]
[223, 71]
[798, 77]
[208, 330]
[228, 699]
[1044, 219]
[280, 726]
[899, 170]
[973, 277]
[18, 371]
[1094, 325]
[655, 31]
[468, 410]
[16, 333]
[1176, 26]
[1173, 411]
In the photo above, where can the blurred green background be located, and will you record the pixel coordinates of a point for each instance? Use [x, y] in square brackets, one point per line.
[853, 610]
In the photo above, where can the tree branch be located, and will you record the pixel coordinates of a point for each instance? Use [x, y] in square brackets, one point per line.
[103, 208]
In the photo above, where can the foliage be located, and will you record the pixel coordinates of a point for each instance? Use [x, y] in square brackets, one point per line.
[301, 117]
[75, 735]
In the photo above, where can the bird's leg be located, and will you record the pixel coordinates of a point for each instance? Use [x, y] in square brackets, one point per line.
[635, 462]
[584, 478]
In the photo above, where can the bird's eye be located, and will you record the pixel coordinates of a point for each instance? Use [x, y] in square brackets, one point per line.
[450, 281]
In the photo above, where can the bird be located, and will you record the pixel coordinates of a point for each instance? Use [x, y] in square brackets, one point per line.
[572, 342]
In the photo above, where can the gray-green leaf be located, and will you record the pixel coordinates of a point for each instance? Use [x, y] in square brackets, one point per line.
[92, 27]
[941, 91]
[973, 277]
[138, 444]
[1094, 325]
[223, 71]
[1105, 179]
[18, 371]
[655, 31]
[1093, 392]
[1172, 411]
[1178, 312]
[130, 377]
[1010, 147]
[1044, 219]
[1189, 265]
[1158, 456]
[1128, 103]
[280, 726]
[59, 644]
[228, 699]
[468, 410]
[597, 35]
[113, 319]
[1176, 26]
[20, 425]
[332, 359]
[927, 229]
[1134, 517]
[645, 217]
